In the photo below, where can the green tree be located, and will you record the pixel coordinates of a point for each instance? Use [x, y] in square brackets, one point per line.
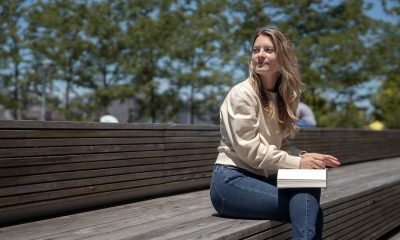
[103, 29]
[176, 62]
[328, 40]
[142, 61]
[14, 86]
[331, 51]
[197, 53]
[387, 99]
[55, 37]
[170, 55]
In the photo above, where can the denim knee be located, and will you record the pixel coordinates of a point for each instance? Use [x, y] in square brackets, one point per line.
[239, 194]
[306, 214]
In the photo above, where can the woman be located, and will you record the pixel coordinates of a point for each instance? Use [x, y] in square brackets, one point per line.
[256, 117]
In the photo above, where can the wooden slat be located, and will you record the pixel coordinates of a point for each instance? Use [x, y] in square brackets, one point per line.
[137, 157]
[67, 174]
[389, 225]
[63, 142]
[359, 201]
[368, 221]
[353, 210]
[71, 133]
[25, 124]
[98, 185]
[64, 205]
[55, 169]
[360, 216]
[51, 151]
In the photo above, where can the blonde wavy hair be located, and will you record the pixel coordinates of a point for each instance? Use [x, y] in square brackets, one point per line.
[288, 84]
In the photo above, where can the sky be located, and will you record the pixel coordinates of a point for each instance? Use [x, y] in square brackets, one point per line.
[377, 12]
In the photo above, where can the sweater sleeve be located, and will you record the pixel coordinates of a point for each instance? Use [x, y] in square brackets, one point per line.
[243, 125]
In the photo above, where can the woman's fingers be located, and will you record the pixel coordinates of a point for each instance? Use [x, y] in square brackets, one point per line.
[333, 164]
[329, 160]
[319, 161]
[318, 164]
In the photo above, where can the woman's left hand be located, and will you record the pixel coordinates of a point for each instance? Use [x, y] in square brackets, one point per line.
[330, 161]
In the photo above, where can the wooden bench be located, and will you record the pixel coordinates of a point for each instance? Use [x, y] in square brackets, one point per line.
[67, 180]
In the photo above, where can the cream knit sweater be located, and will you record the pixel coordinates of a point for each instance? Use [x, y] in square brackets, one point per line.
[250, 139]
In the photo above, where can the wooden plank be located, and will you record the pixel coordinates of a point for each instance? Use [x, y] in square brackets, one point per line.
[27, 124]
[137, 223]
[359, 227]
[66, 174]
[118, 196]
[120, 216]
[359, 203]
[372, 230]
[343, 193]
[281, 231]
[12, 195]
[364, 218]
[72, 133]
[356, 215]
[64, 205]
[211, 228]
[387, 228]
[136, 158]
[181, 227]
[335, 211]
[49, 151]
[121, 167]
[120, 231]
[104, 188]
[90, 177]
[31, 180]
[85, 141]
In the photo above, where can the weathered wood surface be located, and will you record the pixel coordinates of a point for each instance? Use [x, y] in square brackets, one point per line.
[55, 167]
[350, 145]
[353, 207]
[49, 168]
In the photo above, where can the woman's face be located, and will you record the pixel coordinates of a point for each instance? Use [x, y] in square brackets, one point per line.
[264, 57]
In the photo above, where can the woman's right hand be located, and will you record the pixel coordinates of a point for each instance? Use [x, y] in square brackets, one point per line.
[316, 160]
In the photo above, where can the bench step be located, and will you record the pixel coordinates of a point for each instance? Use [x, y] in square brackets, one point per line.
[363, 204]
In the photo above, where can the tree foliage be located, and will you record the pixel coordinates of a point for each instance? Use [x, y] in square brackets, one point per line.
[14, 87]
[387, 99]
[170, 56]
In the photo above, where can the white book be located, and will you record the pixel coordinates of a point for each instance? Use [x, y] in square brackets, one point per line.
[302, 178]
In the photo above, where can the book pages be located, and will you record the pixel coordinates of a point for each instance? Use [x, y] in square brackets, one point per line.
[302, 178]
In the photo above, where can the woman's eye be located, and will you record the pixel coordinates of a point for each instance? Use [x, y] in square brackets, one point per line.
[255, 50]
[269, 50]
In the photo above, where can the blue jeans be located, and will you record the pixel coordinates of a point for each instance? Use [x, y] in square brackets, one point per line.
[237, 193]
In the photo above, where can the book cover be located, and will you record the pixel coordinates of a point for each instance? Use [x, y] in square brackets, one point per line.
[302, 178]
